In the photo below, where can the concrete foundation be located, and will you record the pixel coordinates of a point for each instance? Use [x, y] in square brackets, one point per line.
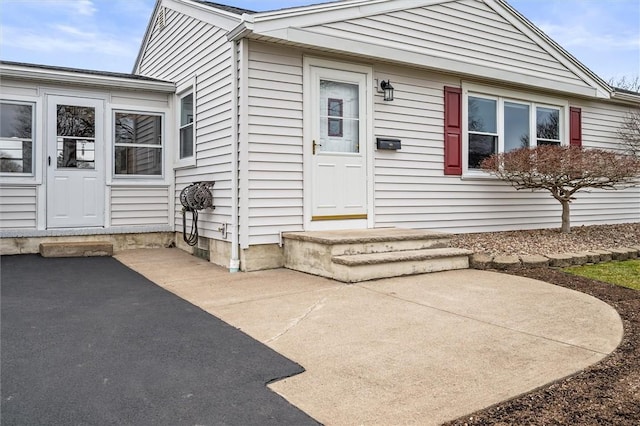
[264, 256]
[30, 245]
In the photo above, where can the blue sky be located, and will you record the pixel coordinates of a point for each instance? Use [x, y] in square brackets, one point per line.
[106, 34]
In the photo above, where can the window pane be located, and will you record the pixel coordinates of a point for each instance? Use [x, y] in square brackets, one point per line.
[482, 115]
[76, 153]
[339, 117]
[516, 126]
[16, 156]
[186, 141]
[480, 147]
[186, 110]
[138, 129]
[138, 160]
[15, 121]
[547, 123]
[76, 121]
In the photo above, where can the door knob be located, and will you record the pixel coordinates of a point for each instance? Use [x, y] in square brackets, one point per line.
[314, 147]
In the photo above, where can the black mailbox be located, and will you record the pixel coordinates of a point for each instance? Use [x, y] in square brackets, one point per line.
[392, 144]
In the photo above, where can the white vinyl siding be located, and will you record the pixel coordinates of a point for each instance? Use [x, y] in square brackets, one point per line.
[411, 190]
[139, 205]
[188, 47]
[275, 142]
[468, 31]
[18, 207]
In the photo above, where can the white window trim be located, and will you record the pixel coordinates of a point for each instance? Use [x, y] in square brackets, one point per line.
[34, 176]
[184, 89]
[507, 95]
[163, 146]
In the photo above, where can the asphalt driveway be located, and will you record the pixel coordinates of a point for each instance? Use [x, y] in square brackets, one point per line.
[89, 341]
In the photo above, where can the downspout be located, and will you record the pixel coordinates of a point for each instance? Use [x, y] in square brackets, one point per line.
[234, 263]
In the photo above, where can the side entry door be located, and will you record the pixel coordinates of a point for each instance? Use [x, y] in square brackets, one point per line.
[75, 162]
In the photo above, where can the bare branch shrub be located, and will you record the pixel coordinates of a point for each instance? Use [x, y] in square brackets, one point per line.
[629, 132]
[563, 171]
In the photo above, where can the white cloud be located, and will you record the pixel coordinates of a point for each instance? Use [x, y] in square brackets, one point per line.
[84, 7]
[582, 36]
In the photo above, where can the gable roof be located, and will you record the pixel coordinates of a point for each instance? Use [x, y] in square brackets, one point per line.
[348, 27]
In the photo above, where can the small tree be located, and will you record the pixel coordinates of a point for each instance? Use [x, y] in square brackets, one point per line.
[629, 132]
[563, 171]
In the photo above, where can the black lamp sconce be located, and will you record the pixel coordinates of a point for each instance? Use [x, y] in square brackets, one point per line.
[387, 89]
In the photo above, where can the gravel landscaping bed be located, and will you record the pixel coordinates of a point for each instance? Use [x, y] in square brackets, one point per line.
[607, 393]
[550, 241]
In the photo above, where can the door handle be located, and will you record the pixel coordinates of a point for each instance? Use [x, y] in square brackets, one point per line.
[49, 160]
[314, 147]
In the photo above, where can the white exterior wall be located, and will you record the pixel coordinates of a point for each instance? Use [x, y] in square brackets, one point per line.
[275, 133]
[468, 31]
[411, 189]
[23, 200]
[18, 208]
[189, 49]
[140, 205]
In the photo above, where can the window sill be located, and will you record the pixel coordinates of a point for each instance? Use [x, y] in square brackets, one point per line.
[185, 163]
[9, 180]
[477, 175]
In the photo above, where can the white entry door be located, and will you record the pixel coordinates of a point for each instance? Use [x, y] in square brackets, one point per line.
[339, 148]
[75, 163]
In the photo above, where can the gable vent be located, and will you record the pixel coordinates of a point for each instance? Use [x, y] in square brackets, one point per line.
[161, 19]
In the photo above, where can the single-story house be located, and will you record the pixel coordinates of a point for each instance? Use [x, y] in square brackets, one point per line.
[347, 115]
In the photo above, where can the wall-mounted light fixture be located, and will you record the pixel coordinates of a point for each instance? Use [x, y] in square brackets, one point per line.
[387, 88]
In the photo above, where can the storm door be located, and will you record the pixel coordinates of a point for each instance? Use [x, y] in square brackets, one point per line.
[339, 158]
[75, 162]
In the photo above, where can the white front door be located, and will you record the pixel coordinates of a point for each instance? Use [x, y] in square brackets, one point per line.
[339, 149]
[75, 163]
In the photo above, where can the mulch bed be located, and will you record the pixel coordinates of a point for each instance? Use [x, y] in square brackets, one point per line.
[607, 393]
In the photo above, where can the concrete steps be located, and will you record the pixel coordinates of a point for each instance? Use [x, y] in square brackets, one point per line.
[76, 249]
[362, 255]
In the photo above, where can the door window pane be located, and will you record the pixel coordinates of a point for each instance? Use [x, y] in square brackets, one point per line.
[16, 143]
[76, 131]
[76, 121]
[516, 126]
[339, 117]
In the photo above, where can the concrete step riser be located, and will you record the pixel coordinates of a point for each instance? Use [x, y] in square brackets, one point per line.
[387, 246]
[354, 274]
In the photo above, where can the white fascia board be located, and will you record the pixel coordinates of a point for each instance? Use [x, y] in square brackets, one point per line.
[79, 78]
[205, 13]
[520, 21]
[627, 98]
[147, 34]
[419, 59]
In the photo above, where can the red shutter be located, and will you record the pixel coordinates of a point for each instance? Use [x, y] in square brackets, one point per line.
[575, 126]
[452, 131]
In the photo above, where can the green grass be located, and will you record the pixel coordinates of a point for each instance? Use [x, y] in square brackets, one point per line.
[626, 274]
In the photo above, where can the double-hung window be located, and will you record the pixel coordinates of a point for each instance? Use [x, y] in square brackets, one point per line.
[498, 124]
[138, 144]
[186, 126]
[16, 137]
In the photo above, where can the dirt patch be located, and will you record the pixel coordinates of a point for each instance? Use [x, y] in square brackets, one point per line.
[607, 393]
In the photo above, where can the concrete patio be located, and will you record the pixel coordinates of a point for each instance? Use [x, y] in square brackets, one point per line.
[420, 349]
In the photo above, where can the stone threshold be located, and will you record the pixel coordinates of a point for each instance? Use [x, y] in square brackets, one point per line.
[559, 260]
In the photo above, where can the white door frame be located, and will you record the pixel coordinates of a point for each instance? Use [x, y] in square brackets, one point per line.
[98, 173]
[308, 137]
